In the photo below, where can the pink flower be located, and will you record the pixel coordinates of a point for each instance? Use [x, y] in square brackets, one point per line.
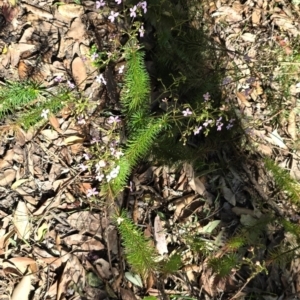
[113, 119]
[70, 84]
[45, 113]
[133, 11]
[206, 96]
[91, 192]
[143, 4]
[113, 15]
[118, 1]
[197, 130]
[187, 112]
[99, 4]
[142, 31]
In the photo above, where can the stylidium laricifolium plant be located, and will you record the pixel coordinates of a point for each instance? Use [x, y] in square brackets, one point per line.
[112, 161]
[140, 254]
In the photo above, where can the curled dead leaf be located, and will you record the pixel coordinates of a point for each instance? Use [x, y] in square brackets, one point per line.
[71, 10]
[79, 73]
[21, 221]
[22, 289]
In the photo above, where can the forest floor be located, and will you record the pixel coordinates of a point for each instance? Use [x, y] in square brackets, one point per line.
[57, 238]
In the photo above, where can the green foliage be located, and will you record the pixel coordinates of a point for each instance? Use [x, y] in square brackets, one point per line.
[223, 265]
[139, 253]
[16, 95]
[172, 264]
[136, 89]
[284, 181]
[26, 100]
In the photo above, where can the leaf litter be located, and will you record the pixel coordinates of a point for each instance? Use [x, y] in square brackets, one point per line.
[43, 194]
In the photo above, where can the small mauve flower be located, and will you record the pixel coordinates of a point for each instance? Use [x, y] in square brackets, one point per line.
[91, 192]
[118, 154]
[121, 69]
[86, 156]
[99, 177]
[205, 124]
[94, 56]
[197, 130]
[99, 4]
[206, 96]
[113, 119]
[45, 113]
[58, 79]
[81, 120]
[70, 84]
[94, 140]
[100, 164]
[219, 120]
[231, 120]
[226, 80]
[118, 1]
[142, 31]
[219, 126]
[100, 79]
[143, 4]
[83, 167]
[113, 15]
[229, 126]
[133, 12]
[187, 112]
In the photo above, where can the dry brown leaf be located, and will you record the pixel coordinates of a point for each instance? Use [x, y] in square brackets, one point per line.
[23, 262]
[50, 134]
[227, 193]
[73, 140]
[256, 16]
[7, 177]
[18, 183]
[292, 125]
[21, 221]
[181, 205]
[4, 240]
[16, 50]
[77, 30]
[83, 242]
[73, 273]
[24, 70]
[243, 101]
[86, 222]
[38, 11]
[228, 14]
[22, 289]
[103, 268]
[248, 37]
[159, 236]
[79, 73]
[127, 294]
[197, 185]
[71, 10]
[55, 124]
